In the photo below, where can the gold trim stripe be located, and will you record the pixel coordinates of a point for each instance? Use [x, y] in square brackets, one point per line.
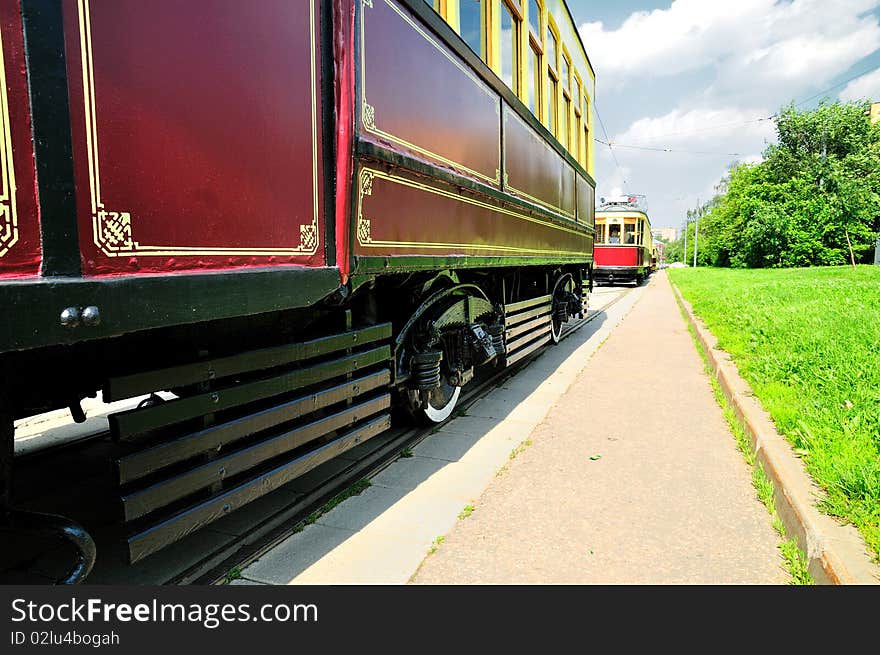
[364, 234]
[113, 231]
[8, 210]
[368, 111]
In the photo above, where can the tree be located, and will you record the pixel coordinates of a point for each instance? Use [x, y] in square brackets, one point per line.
[812, 201]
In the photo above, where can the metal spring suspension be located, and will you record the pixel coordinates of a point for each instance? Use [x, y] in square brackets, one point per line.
[426, 369]
[496, 332]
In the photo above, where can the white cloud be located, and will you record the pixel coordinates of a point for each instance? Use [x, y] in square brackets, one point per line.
[698, 129]
[867, 86]
[752, 45]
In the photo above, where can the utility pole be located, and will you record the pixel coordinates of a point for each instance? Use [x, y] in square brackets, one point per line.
[697, 230]
[684, 255]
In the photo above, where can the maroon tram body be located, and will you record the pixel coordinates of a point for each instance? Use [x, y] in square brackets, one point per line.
[246, 205]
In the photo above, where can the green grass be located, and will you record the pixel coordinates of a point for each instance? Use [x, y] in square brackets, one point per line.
[466, 512]
[807, 341]
[436, 545]
[232, 574]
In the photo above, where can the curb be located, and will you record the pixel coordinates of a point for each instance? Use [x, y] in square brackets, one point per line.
[836, 553]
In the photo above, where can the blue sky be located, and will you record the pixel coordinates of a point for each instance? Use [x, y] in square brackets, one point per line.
[686, 87]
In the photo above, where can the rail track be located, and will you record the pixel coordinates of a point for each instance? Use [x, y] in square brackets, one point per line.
[71, 480]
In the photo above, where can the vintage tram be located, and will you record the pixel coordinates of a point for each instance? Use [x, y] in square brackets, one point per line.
[275, 224]
[624, 248]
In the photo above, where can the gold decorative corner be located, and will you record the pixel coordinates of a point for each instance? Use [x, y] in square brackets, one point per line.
[364, 227]
[114, 232]
[364, 231]
[367, 182]
[308, 237]
[369, 116]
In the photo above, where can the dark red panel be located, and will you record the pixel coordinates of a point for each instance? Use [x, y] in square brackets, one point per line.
[402, 215]
[420, 98]
[196, 132]
[534, 170]
[617, 256]
[19, 217]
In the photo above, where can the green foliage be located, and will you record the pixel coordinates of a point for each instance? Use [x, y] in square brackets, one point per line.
[816, 193]
[806, 341]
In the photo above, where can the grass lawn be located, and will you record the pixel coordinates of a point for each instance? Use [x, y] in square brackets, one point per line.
[808, 342]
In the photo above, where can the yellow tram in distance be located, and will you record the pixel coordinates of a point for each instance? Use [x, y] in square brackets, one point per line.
[624, 249]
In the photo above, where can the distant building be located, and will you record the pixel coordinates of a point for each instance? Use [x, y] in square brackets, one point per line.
[665, 234]
[875, 112]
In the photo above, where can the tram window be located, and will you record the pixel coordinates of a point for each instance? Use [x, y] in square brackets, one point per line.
[630, 233]
[587, 144]
[600, 232]
[532, 79]
[470, 21]
[577, 133]
[552, 54]
[552, 103]
[509, 48]
[535, 17]
[535, 55]
[614, 233]
[552, 49]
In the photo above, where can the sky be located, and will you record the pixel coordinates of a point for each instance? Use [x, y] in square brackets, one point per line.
[684, 88]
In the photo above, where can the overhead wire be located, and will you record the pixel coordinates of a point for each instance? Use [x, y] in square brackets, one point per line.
[608, 143]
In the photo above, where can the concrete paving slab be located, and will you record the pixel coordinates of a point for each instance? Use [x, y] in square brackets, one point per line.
[366, 559]
[460, 447]
[244, 582]
[421, 514]
[408, 473]
[295, 554]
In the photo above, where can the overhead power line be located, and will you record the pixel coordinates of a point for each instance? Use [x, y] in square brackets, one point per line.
[671, 150]
[839, 84]
[607, 142]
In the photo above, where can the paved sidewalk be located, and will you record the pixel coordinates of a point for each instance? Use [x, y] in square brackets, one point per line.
[633, 477]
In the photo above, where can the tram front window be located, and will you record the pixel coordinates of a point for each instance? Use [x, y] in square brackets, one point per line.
[613, 234]
[630, 233]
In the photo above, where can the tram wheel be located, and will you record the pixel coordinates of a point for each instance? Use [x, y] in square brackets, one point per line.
[440, 403]
[563, 288]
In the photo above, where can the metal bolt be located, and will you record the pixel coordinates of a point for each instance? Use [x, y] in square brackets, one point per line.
[226, 508]
[70, 317]
[91, 316]
[222, 471]
[215, 397]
